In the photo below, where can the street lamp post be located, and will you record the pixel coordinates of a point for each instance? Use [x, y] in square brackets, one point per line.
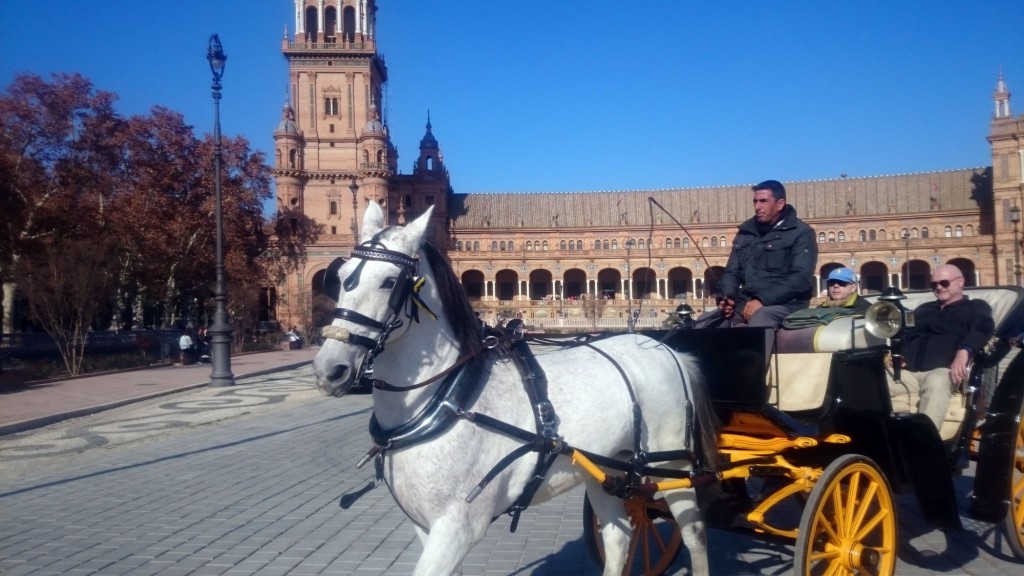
[220, 331]
[354, 187]
[906, 262]
[1015, 218]
[630, 244]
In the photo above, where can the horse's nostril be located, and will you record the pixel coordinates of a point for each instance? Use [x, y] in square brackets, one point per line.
[336, 372]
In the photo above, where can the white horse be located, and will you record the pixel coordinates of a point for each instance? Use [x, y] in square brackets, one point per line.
[587, 387]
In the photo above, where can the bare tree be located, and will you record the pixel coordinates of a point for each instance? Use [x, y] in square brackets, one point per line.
[67, 287]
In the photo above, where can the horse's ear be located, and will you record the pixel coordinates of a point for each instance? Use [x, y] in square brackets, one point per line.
[415, 231]
[332, 282]
[373, 221]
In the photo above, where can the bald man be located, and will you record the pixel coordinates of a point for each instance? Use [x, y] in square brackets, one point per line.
[948, 332]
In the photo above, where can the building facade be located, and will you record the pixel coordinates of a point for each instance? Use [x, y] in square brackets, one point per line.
[596, 260]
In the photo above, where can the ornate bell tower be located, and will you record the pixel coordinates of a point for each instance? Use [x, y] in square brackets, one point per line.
[1006, 135]
[333, 153]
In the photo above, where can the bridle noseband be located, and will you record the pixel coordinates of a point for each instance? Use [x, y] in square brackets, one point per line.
[405, 294]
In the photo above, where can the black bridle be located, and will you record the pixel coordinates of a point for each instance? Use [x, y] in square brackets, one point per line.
[404, 296]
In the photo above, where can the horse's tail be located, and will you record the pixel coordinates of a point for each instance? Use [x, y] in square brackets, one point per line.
[705, 419]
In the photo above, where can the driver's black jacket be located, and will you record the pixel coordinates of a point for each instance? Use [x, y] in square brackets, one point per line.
[777, 268]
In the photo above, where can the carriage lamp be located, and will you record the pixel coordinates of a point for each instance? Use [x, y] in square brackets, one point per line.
[887, 319]
[220, 330]
[685, 313]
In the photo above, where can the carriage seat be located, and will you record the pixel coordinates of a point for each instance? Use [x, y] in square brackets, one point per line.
[851, 333]
[800, 370]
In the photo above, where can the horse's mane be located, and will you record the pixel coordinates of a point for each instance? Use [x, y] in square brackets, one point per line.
[457, 308]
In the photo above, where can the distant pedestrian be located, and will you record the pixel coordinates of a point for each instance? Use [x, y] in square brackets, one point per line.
[187, 345]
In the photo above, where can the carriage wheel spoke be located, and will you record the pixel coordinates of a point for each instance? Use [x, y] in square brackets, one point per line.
[867, 502]
[851, 502]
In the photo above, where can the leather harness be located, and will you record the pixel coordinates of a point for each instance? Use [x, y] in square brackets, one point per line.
[460, 385]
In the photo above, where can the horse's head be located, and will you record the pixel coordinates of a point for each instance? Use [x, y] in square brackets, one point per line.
[377, 294]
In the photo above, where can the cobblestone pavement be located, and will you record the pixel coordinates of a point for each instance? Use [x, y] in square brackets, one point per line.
[247, 480]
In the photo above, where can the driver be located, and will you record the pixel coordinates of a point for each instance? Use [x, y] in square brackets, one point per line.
[770, 272]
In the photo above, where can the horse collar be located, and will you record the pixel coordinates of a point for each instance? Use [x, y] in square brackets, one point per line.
[442, 411]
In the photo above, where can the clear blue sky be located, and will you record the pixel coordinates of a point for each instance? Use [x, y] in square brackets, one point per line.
[534, 96]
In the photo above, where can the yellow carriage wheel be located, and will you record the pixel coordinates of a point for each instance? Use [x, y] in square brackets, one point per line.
[849, 525]
[1014, 520]
[656, 536]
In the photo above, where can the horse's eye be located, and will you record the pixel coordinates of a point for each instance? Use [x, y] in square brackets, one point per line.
[388, 284]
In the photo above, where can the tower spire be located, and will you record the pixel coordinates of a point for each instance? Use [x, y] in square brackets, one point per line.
[1001, 96]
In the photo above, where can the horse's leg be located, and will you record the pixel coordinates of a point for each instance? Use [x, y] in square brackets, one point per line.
[615, 528]
[444, 547]
[683, 504]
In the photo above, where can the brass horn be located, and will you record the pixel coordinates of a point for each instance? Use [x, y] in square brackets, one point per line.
[883, 319]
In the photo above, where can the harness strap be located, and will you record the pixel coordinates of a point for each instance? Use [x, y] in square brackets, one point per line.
[356, 317]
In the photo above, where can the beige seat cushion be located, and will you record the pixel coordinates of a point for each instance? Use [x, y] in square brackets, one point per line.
[802, 380]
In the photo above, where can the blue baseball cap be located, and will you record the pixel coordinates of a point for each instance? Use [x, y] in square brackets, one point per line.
[842, 275]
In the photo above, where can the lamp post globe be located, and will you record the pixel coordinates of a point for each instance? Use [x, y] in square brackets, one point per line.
[220, 330]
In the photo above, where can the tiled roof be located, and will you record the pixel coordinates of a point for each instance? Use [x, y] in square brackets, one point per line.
[962, 189]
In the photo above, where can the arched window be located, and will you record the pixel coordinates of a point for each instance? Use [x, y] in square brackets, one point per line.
[615, 244]
[686, 242]
[511, 245]
[476, 245]
[640, 244]
[913, 232]
[502, 245]
[881, 234]
[872, 235]
[579, 244]
[948, 231]
[821, 237]
[958, 231]
[924, 232]
[841, 236]
[903, 233]
[494, 245]
[668, 242]
[606, 245]
[597, 244]
[832, 237]
[721, 241]
[714, 242]
[458, 246]
[572, 245]
[863, 235]
[676, 244]
[334, 208]
[292, 155]
[705, 242]
[970, 230]
[545, 245]
[561, 245]
[529, 245]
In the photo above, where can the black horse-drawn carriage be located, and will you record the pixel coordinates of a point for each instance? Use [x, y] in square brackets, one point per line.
[813, 447]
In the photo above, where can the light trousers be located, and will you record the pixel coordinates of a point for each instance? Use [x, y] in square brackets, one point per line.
[934, 388]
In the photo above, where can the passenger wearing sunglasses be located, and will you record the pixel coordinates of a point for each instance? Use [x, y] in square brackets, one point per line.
[842, 288]
[948, 332]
